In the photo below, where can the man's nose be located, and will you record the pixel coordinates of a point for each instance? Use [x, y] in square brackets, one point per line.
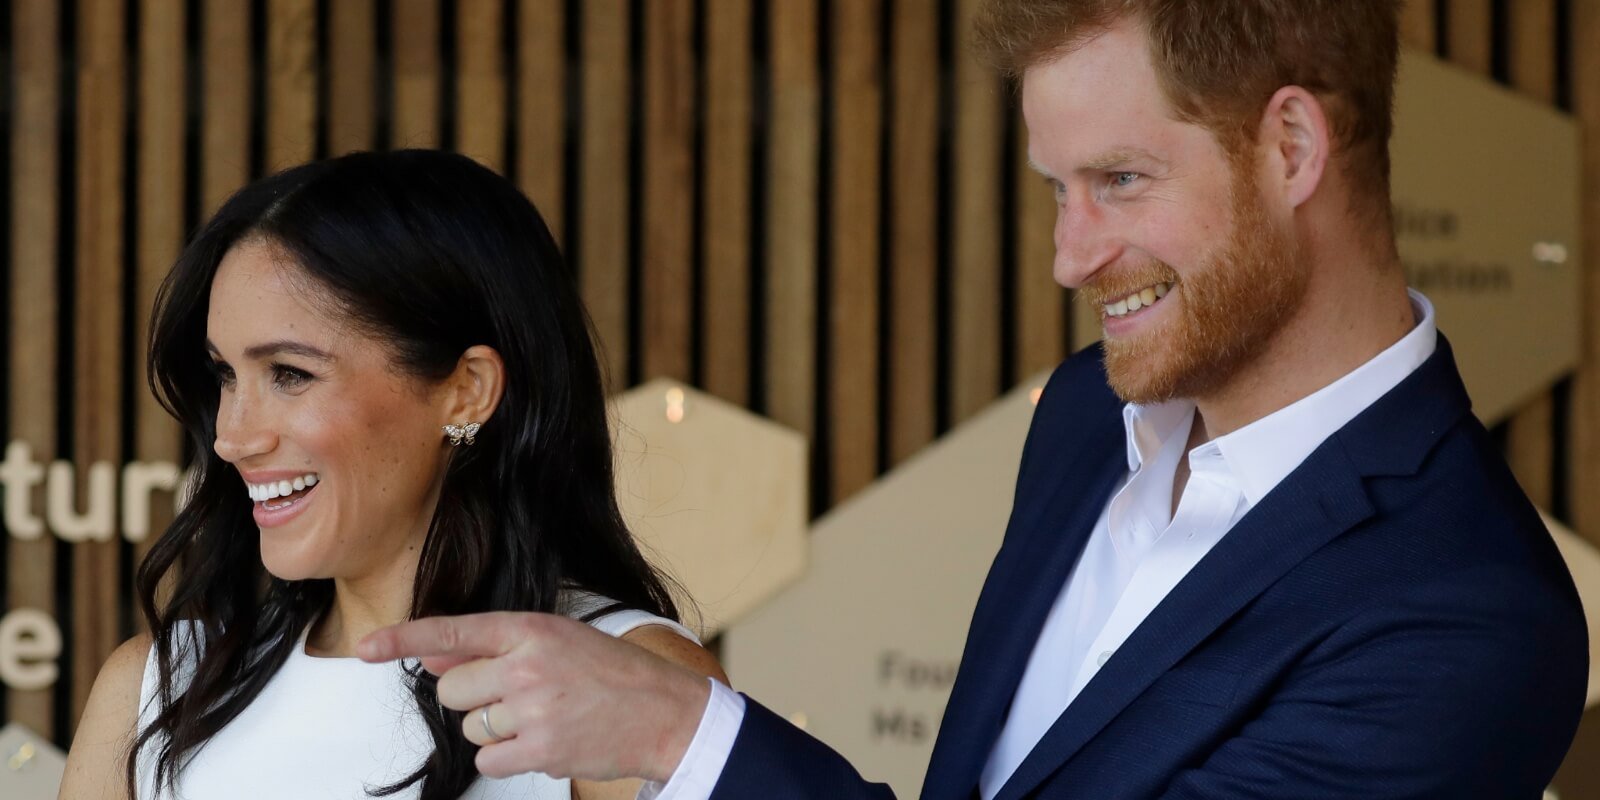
[241, 430]
[1084, 241]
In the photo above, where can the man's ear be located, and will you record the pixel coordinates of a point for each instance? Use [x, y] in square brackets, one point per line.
[1295, 134]
[474, 389]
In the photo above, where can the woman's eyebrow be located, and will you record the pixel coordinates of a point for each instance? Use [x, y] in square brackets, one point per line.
[256, 352]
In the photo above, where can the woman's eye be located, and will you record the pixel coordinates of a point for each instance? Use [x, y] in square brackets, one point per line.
[223, 374]
[287, 377]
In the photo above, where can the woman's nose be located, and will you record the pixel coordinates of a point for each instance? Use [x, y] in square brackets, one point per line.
[241, 433]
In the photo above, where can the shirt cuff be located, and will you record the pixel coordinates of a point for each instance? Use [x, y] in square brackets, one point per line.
[697, 774]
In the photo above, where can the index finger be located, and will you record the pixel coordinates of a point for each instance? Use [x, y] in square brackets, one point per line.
[470, 636]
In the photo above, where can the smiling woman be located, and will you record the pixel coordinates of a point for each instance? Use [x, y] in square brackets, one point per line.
[398, 412]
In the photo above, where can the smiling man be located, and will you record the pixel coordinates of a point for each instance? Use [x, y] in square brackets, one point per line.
[1260, 546]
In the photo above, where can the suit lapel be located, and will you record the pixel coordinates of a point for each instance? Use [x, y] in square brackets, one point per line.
[1043, 542]
[1320, 500]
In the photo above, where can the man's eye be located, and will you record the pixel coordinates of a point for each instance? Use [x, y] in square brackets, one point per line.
[1123, 180]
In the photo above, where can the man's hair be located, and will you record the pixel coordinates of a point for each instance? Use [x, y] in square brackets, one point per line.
[1220, 61]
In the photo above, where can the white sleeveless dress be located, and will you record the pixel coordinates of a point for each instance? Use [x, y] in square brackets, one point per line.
[334, 728]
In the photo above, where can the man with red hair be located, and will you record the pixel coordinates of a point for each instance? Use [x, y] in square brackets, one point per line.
[1260, 546]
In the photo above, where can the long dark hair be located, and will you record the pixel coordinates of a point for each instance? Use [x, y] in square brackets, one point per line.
[431, 253]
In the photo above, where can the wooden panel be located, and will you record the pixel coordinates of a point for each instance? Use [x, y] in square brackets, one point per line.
[352, 64]
[291, 82]
[481, 83]
[160, 225]
[975, 342]
[725, 218]
[792, 183]
[1417, 25]
[98, 318]
[1470, 37]
[668, 274]
[1040, 323]
[913, 225]
[1530, 446]
[225, 127]
[853, 188]
[542, 108]
[603, 217]
[416, 73]
[31, 384]
[1584, 467]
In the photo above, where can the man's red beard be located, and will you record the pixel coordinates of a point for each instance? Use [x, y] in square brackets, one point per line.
[1229, 308]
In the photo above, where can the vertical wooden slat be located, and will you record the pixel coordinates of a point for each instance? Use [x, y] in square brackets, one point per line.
[1041, 321]
[1584, 465]
[913, 224]
[603, 218]
[225, 129]
[481, 83]
[160, 223]
[416, 73]
[1530, 446]
[291, 82]
[35, 143]
[352, 63]
[725, 220]
[97, 311]
[1417, 25]
[541, 107]
[668, 209]
[792, 184]
[975, 342]
[1470, 34]
[853, 187]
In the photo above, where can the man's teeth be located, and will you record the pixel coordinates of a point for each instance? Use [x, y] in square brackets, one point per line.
[272, 490]
[1133, 302]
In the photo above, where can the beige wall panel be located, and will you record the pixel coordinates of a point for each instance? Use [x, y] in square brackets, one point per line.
[716, 495]
[97, 314]
[1583, 488]
[603, 218]
[853, 246]
[541, 56]
[32, 317]
[1417, 24]
[792, 187]
[975, 295]
[417, 71]
[481, 82]
[1470, 34]
[668, 271]
[725, 222]
[913, 227]
[352, 66]
[891, 622]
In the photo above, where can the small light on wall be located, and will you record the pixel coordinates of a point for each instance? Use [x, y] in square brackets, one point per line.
[20, 759]
[1550, 252]
[798, 719]
[675, 398]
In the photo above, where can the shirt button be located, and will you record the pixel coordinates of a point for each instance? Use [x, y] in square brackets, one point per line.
[1104, 657]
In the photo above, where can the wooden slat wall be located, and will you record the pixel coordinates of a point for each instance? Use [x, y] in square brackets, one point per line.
[32, 389]
[820, 209]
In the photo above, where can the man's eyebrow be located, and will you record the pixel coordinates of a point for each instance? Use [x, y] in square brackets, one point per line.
[1120, 157]
[256, 352]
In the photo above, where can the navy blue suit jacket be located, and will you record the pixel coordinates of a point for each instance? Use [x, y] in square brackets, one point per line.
[1392, 620]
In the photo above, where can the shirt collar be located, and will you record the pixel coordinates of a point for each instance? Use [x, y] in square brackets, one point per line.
[1260, 455]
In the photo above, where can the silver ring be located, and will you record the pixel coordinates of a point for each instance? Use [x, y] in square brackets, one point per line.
[483, 716]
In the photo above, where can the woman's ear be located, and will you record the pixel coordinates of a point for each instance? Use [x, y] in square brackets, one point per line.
[474, 389]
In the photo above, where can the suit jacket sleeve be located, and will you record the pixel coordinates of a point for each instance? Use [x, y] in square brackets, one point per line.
[1470, 687]
[774, 760]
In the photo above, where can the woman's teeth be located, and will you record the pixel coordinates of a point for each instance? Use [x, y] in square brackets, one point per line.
[1133, 302]
[272, 490]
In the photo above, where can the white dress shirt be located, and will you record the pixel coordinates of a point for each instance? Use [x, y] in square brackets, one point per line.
[1139, 550]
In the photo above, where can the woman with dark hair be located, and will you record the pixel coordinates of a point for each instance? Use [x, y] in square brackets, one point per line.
[397, 412]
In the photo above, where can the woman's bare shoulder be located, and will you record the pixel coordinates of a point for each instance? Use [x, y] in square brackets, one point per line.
[110, 718]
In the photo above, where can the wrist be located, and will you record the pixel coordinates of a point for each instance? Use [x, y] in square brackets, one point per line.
[688, 699]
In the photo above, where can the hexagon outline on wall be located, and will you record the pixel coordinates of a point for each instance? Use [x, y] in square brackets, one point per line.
[716, 495]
